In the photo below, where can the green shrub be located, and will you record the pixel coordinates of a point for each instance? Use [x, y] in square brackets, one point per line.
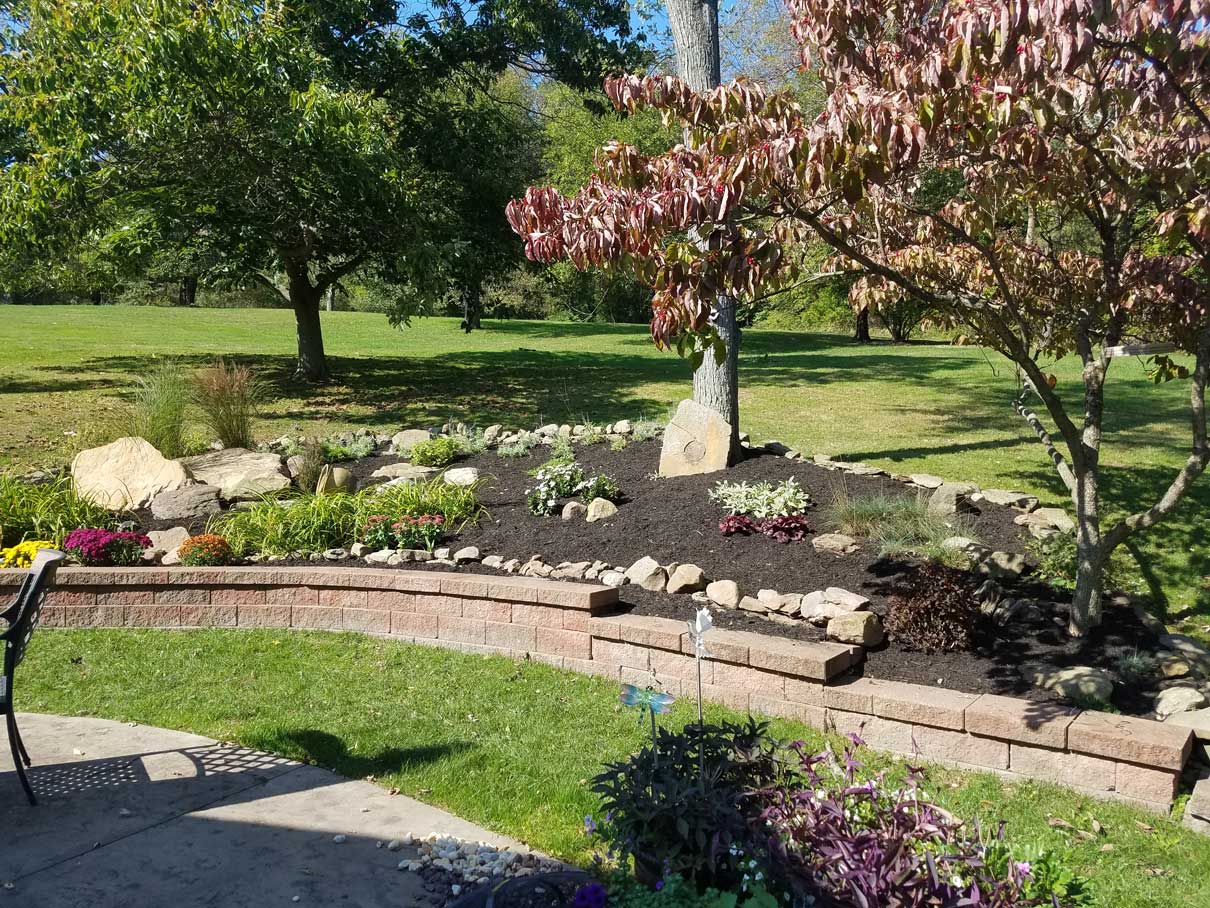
[1056, 557]
[619, 443]
[48, 510]
[561, 450]
[312, 523]
[647, 429]
[599, 487]
[524, 444]
[592, 437]
[554, 481]
[228, 397]
[158, 415]
[1135, 668]
[899, 524]
[340, 452]
[763, 499]
[436, 452]
[470, 441]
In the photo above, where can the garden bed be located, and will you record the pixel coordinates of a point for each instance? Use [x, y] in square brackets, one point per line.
[673, 520]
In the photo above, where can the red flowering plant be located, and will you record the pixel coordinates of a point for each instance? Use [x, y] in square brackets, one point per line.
[1032, 170]
[106, 548]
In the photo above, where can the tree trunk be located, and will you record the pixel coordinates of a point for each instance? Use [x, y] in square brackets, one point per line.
[305, 298]
[187, 292]
[862, 334]
[1090, 560]
[715, 384]
[695, 35]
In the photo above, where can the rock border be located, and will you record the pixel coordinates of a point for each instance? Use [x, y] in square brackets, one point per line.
[575, 626]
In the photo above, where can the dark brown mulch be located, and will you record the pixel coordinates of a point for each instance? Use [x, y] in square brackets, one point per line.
[674, 520]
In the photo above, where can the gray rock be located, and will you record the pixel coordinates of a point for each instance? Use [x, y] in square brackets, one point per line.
[1076, 683]
[1046, 522]
[622, 427]
[835, 543]
[403, 472]
[126, 474]
[687, 578]
[442, 552]
[1197, 810]
[382, 556]
[965, 545]
[164, 542]
[724, 592]
[358, 550]
[1002, 566]
[186, 503]
[461, 476]
[572, 570]
[1008, 499]
[927, 480]
[466, 555]
[574, 509]
[861, 628]
[336, 554]
[492, 433]
[1178, 700]
[406, 555]
[613, 578]
[821, 606]
[751, 604]
[842, 598]
[241, 475]
[951, 498]
[550, 430]
[401, 441]
[647, 573]
[493, 561]
[536, 567]
[600, 509]
[1185, 645]
[697, 440]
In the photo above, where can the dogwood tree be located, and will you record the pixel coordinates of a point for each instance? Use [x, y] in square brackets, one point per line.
[1035, 170]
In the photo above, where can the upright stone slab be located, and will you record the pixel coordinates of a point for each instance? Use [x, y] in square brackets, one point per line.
[125, 474]
[697, 440]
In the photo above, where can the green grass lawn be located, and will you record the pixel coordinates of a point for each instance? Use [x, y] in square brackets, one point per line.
[510, 744]
[920, 407]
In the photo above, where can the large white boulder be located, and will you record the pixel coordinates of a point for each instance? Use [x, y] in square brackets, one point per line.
[125, 474]
[697, 440]
[240, 474]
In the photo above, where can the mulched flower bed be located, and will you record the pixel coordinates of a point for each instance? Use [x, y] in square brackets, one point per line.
[674, 520]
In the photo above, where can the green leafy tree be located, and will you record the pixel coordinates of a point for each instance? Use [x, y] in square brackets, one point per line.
[297, 139]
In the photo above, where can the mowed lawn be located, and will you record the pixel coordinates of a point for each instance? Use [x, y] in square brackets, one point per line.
[926, 406]
[512, 745]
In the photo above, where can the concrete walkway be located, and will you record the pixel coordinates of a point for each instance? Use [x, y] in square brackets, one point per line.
[137, 817]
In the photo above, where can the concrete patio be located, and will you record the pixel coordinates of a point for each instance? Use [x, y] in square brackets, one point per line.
[137, 817]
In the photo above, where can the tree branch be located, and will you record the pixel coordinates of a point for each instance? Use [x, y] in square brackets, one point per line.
[1035, 423]
[1195, 464]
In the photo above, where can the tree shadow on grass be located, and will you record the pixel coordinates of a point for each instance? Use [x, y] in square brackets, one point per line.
[326, 749]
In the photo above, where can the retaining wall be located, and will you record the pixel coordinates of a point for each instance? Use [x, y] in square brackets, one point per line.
[576, 626]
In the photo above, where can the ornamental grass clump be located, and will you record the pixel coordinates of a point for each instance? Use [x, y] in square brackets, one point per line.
[762, 499]
[48, 510]
[205, 550]
[228, 397]
[161, 398]
[97, 547]
[900, 525]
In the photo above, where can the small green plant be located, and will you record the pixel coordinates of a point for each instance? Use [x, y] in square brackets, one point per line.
[899, 524]
[341, 452]
[1135, 668]
[520, 447]
[228, 397]
[599, 487]
[161, 398]
[436, 452]
[763, 499]
[1049, 878]
[592, 437]
[647, 429]
[1056, 557]
[553, 482]
[561, 450]
[48, 510]
[619, 443]
[470, 441]
[424, 532]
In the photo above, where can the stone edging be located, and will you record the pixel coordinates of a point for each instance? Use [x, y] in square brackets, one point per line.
[575, 626]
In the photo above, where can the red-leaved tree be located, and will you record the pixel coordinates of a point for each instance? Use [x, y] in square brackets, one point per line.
[1036, 171]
